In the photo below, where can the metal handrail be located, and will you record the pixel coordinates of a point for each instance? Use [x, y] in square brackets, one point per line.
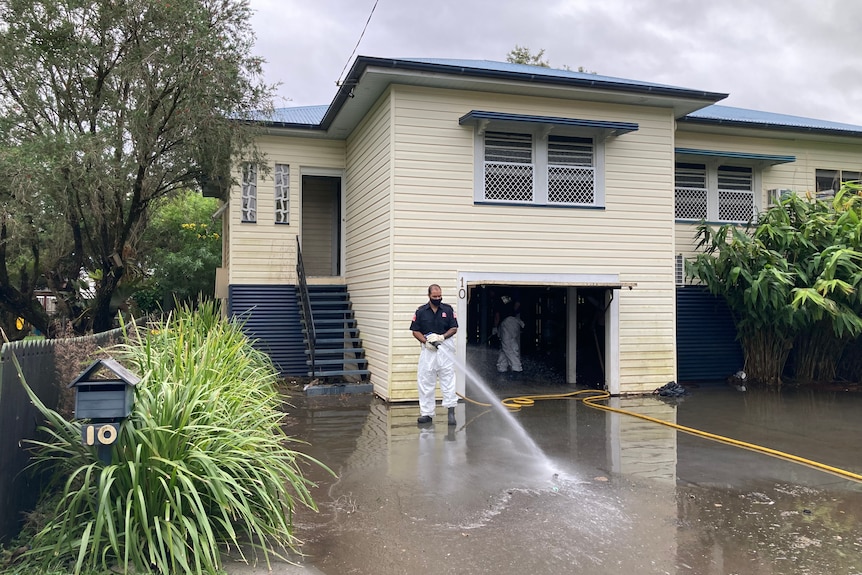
[305, 304]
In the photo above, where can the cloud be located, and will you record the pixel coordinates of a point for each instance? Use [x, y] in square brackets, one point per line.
[790, 56]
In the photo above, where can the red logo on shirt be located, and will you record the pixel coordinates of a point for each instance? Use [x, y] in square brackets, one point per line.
[444, 314]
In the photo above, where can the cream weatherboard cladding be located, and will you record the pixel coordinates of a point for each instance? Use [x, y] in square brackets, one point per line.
[265, 252]
[368, 252]
[630, 237]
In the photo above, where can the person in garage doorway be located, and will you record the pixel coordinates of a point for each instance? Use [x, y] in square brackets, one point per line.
[508, 327]
[434, 325]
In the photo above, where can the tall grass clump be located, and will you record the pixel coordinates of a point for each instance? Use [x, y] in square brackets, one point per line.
[201, 465]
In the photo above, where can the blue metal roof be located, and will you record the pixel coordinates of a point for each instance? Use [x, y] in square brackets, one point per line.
[300, 115]
[742, 117]
[321, 117]
[540, 72]
[614, 127]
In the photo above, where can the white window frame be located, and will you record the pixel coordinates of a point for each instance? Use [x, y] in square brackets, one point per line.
[248, 210]
[540, 166]
[282, 194]
[713, 192]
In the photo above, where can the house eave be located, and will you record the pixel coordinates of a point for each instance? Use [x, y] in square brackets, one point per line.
[370, 77]
[763, 129]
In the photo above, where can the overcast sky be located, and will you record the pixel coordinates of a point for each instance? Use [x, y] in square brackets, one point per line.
[800, 57]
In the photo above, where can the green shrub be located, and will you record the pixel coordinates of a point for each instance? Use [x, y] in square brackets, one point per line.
[201, 465]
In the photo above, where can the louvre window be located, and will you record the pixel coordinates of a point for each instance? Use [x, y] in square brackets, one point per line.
[735, 194]
[570, 170]
[249, 193]
[521, 168]
[691, 192]
[282, 194]
[714, 193]
[508, 167]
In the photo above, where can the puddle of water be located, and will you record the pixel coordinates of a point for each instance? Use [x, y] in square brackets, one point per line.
[630, 496]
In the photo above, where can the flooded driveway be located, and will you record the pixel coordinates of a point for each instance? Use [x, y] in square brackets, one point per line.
[598, 493]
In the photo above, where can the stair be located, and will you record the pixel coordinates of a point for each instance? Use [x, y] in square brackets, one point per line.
[338, 352]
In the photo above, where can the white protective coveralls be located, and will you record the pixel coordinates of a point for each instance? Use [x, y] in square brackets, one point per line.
[434, 365]
[509, 331]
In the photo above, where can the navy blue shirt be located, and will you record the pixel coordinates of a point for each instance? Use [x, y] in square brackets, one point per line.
[426, 321]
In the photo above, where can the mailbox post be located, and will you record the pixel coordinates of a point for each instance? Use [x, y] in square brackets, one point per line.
[106, 402]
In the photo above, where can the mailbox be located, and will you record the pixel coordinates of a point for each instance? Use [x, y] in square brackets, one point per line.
[107, 398]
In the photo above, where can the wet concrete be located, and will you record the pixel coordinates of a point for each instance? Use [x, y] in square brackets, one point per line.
[611, 494]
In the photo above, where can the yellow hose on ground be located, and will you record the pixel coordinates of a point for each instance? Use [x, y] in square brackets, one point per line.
[516, 403]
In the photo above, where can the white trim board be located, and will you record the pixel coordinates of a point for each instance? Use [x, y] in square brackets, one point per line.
[612, 340]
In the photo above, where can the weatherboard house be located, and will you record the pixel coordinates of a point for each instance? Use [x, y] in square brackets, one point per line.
[576, 193]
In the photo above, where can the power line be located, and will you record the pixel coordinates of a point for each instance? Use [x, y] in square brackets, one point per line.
[338, 82]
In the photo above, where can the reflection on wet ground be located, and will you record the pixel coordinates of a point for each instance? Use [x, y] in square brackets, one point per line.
[620, 495]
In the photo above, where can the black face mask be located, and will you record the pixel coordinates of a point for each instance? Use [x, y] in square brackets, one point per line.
[436, 302]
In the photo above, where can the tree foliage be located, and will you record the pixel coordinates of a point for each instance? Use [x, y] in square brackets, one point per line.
[523, 55]
[104, 108]
[790, 282]
[181, 249]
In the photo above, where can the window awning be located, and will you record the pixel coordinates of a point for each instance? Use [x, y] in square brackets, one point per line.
[763, 159]
[508, 122]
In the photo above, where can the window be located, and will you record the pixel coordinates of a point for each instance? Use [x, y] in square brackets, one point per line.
[828, 182]
[691, 192]
[714, 193]
[282, 194]
[735, 194]
[570, 170]
[249, 193]
[508, 167]
[550, 170]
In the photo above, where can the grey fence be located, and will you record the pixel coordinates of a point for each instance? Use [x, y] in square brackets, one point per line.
[19, 418]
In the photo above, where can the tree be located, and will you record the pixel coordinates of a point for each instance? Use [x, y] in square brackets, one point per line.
[523, 55]
[105, 107]
[181, 249]
[788, 278]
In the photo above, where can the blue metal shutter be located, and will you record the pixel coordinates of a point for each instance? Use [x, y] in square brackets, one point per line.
[706, 346]
[271, 319]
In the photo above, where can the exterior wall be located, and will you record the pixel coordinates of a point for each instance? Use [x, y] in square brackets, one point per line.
[797, 176]
[264, 253]
[439, 231]
[368, 250]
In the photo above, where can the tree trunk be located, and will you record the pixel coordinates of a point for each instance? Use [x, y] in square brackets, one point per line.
[26, 307]
[765, 355]
[103, 310]
[816, 353]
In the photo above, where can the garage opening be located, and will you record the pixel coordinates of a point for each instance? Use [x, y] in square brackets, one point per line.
[563, 334]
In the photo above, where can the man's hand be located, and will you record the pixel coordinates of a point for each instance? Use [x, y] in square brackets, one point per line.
[432, 340]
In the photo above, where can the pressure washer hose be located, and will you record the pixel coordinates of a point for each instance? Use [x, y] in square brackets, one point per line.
[593, 395]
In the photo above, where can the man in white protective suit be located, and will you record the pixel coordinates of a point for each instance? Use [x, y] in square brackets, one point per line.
[434, 325]
[509, 332]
